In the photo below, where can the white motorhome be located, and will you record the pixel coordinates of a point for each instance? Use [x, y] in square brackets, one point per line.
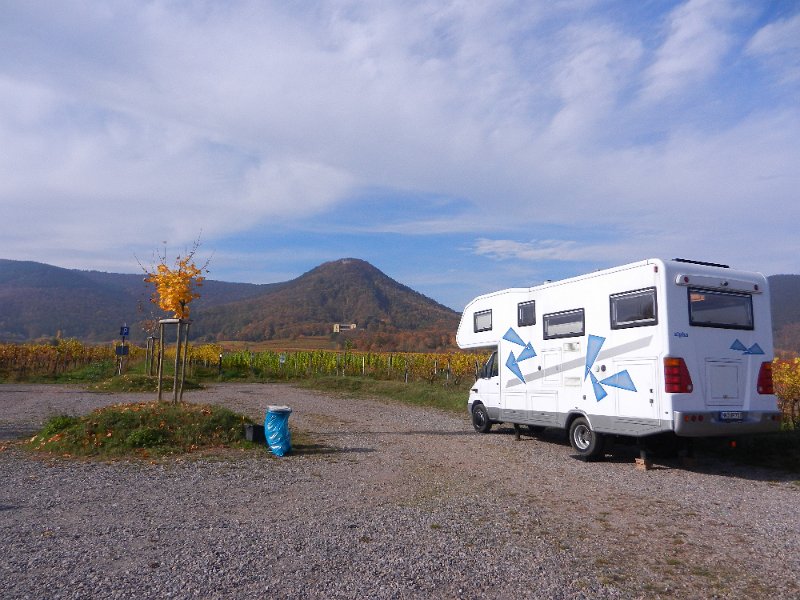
[638, 350]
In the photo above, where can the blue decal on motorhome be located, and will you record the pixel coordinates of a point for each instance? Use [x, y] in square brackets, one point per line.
[599, 390]
[621, 380]
[740, 347]
[737, 345]
[511, 363]
[513, 337]
[592, 350]
[526, 353]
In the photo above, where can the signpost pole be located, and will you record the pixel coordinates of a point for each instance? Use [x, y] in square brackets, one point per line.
[185, 354]
[122, 350]
[177, 363]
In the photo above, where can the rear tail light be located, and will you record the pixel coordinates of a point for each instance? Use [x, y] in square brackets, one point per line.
[676, 376]
[764, 385]
[694, 418]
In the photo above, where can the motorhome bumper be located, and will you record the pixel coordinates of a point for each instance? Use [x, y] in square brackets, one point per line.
[711, 423]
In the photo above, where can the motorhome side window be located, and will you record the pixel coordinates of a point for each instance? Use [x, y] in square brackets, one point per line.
[567, 323]
[633, 309]
[483, 321]
[711, 308]
[526, 313]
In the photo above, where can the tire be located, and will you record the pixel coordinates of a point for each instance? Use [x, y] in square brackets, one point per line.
[480, 419]
[584, 440]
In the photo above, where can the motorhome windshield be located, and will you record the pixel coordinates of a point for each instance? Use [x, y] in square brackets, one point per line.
[711, 308]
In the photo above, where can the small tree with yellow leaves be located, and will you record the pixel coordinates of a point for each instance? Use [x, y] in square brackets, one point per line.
[175, 289]
[175, 286]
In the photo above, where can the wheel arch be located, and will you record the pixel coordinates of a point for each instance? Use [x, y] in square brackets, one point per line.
[574, 414]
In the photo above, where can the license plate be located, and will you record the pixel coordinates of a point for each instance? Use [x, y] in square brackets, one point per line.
[730, 415]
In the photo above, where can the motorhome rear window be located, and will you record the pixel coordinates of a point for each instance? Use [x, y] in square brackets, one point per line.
[712, 308]
[567, 323]
[526, 313]
[483, 321]
[633, 309]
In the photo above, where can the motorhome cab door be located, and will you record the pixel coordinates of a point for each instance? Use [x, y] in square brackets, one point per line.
[489, 384]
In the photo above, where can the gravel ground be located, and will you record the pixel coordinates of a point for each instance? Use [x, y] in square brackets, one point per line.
[393, 502]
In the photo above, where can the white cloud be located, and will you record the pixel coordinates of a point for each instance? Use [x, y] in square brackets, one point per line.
[696, 43]
[134, 123]
[551, 250]
[597, 63]
[778, 44]
[293, 190]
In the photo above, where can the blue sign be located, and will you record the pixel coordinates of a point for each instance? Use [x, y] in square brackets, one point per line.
[124, 330]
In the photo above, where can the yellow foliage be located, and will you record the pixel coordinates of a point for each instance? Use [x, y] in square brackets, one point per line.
[175, 286]
[786, 376]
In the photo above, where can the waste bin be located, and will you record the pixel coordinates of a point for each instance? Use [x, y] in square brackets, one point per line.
[276, 429]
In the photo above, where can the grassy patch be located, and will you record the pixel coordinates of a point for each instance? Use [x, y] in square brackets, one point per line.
[135, 382]
[142, 429]
[90, 373]
[451, 398]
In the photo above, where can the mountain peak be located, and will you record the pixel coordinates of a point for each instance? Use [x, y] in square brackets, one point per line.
[38, 300]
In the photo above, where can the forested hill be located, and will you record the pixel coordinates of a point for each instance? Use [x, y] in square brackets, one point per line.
[785, 293]
[343, 291]
[42, 301]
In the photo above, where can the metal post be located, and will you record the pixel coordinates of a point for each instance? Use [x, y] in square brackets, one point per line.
[151, 364]
[185, 354]
[160, 357]
[177, 363]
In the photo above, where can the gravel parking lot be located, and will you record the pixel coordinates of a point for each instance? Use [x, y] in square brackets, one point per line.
[394, 502]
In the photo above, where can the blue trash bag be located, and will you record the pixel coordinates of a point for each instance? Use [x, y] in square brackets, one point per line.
[276, 430]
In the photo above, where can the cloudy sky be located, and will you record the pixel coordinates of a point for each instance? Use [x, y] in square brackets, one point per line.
[458, 146]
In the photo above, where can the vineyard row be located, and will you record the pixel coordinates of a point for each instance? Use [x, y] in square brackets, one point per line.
[30, 360]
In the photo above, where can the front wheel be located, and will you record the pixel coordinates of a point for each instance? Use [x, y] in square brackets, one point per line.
[584, 440]
[480, 419]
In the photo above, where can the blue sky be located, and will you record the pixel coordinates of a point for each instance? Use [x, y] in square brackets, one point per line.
[458, 146]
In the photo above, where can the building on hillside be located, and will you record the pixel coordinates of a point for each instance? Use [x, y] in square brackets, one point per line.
[339, 327]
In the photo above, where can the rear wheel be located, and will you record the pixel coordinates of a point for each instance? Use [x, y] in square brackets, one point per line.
[584, 440]
[480, 419]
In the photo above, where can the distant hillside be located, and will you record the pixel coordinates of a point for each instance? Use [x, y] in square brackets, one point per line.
[785, 294]
[344, 291]
[40, 301]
